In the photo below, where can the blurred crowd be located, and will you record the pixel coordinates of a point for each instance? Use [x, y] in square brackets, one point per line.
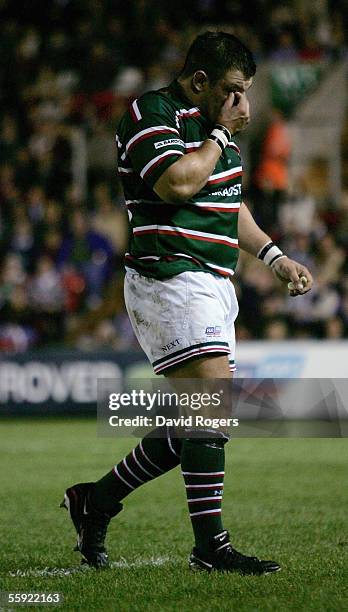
[68, 69]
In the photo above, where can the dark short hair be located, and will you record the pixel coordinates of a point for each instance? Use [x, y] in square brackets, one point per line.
[216, 53]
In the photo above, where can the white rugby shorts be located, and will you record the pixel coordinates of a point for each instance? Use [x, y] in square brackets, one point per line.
[186, 316]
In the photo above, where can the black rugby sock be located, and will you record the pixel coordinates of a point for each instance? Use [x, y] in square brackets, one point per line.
[203, 465]
[152, 457]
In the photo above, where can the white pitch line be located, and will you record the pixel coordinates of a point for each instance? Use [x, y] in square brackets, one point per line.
[152, 562]
[68, 571]
[49, 571]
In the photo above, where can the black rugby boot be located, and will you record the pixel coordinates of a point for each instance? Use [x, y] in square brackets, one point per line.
[90, 524]
[222, 557]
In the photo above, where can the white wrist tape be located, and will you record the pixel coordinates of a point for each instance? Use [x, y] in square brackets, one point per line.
[220, 135]
[270, 253]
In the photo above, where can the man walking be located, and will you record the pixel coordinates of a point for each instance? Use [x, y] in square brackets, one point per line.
[181, 173]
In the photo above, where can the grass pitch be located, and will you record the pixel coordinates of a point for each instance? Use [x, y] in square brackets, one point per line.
[285, 499]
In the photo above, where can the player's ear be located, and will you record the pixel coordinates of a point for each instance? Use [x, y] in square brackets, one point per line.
[199, 81]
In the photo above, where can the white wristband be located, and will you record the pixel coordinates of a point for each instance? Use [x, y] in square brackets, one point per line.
[273, 255]
[220, 135]
[270, 253]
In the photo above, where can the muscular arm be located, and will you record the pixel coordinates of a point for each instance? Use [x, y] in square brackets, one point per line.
[189, 174]
[250, 235]
[252, 239]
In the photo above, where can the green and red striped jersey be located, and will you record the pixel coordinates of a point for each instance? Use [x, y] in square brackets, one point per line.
[167, 239]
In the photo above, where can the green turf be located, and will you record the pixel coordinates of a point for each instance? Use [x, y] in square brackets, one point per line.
[285, 499]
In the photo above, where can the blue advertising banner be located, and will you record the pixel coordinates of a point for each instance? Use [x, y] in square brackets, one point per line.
[66, 381]
[57, 381]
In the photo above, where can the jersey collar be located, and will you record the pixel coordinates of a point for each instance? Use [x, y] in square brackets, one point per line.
[178, 92]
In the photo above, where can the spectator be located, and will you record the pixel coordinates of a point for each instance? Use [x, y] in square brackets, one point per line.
[101, 154]
[286, 49]
[271, 176]
[45, 288]
[90, 253]
[109, 218]
[8, 139]
[329, 260]
[335, 329]
[23, 242]
[46, 296]
[276, 330]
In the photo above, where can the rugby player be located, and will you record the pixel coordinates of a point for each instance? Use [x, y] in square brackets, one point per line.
[182, 174]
